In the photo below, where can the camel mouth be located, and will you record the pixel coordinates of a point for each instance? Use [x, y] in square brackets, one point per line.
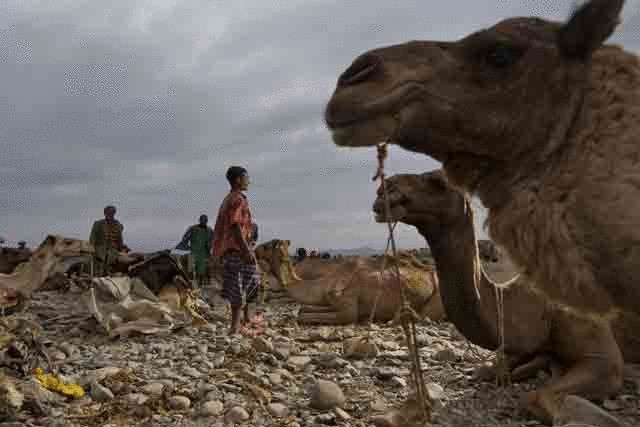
[397, 212]
[371, 122]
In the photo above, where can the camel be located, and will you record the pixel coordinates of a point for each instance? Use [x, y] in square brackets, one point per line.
[16, 288]
[344, 291]
[10, 258]
[540, 120]
[273, 258]
[535, 330]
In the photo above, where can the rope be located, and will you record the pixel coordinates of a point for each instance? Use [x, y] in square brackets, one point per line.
[380, 283]
[408, 317]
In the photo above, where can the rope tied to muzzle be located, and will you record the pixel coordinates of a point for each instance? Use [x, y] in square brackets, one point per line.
[407, 315]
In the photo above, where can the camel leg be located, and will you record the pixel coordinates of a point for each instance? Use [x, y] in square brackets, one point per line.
[520, 368]
[330, 316]
[317, 309]
[530, 369]
[595, 377]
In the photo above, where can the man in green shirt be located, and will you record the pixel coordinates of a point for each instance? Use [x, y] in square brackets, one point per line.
[197, 239]
[106, 238]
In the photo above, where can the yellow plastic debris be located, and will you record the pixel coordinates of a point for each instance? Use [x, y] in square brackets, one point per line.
[50, 382]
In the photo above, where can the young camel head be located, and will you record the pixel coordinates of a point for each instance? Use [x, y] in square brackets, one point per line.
[63, 249]
[508, 92]
[422, 200]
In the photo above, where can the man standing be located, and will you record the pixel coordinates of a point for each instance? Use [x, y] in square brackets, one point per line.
[106, 238]
[197, 240]
[233, 234]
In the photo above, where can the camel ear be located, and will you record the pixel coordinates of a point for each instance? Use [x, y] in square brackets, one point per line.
[50, 240]
[589, 27]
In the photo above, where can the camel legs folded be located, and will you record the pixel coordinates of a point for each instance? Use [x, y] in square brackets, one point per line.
[520, 368]
[596, 376]
[327, 315]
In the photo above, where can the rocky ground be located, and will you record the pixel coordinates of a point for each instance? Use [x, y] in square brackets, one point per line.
[201, 377]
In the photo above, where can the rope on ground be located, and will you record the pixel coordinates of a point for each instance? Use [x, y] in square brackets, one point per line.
[408, 316]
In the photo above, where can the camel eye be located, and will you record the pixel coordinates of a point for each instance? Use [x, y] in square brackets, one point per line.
[501, 56]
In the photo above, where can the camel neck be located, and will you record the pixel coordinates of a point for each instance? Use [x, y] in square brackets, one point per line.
[455, 253]
[34, 273]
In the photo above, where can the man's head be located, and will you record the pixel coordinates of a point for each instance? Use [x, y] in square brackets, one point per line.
[109, 212]
[203, 220]
[238, 178]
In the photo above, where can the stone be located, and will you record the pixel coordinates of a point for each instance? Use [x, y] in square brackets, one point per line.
[342, 414]
[392, 419]
[237, 414]
[326, 395]
[179, 403]
[581, 411]
[136, 398]
[298, 363]
[212, 408]
[437, 394]
[100, 393]
[262, 345]
[359, 348]
[278, 410]
[446, 355]
[153, 389]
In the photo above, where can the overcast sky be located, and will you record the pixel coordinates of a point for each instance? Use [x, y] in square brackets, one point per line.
[144, 104]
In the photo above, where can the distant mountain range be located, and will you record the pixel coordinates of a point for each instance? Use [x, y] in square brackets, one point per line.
[363, 251]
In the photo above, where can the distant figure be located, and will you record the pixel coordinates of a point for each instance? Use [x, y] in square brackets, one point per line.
[301, 254]
[106, 238]
[232, 240]
[22, 245]
[198, 240]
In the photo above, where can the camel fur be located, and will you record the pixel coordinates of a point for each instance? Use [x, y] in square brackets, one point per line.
[591, 351]
[541, 121]
[16, 288]
[345, 291]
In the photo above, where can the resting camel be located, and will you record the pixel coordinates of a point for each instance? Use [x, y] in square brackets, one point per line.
[534, 329]
[344, 291]
[16, 288]
[10, 258]
[541, 121]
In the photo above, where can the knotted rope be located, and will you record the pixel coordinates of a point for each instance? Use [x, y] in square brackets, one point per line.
[408, 316]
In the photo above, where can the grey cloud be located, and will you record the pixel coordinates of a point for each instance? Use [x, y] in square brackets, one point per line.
[146, 104]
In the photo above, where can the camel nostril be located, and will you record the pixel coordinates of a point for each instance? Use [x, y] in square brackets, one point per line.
[361, 70]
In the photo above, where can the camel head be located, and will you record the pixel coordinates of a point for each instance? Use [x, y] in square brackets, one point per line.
[421, 200]
[63, 250]
[511, 91]
[274, 259]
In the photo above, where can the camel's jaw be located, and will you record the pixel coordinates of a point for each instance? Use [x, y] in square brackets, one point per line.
[397, 212]
[356, 119]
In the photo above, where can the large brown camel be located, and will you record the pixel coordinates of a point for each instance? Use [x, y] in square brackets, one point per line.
[537, 118]
[347, 290]
[534, 329]
[53, 252]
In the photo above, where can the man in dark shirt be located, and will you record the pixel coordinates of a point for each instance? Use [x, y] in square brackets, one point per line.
[106, 238]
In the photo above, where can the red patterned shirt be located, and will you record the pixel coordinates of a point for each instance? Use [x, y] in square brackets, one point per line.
[233, 210]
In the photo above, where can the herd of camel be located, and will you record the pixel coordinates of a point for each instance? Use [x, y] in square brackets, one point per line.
[541, 121]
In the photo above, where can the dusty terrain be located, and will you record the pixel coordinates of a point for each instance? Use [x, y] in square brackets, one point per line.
[200, 377]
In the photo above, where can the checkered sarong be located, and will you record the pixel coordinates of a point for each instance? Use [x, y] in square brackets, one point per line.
[240, 281]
